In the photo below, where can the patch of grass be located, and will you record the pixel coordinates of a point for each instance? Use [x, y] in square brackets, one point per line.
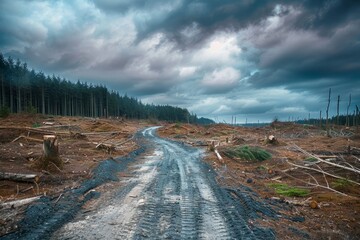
[261, 168]
[285, 190]
[247, 153]
[341, 184]
[310, 159]
[36, 125]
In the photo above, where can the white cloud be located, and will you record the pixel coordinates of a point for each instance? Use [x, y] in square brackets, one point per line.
[221, 80]
[221, 49]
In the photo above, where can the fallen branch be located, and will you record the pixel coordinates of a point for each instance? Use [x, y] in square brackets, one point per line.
[56, 166]
[27, 189]
[18, 203]
[99, 133]
[323, 172]
[58, 198]
[317, 185]
[327, 162]
[218, 155]
[19, 177]
[108, 147]
[27, 138]
[128, 140]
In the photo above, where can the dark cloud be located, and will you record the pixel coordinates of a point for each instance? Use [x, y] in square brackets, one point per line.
[250, 57]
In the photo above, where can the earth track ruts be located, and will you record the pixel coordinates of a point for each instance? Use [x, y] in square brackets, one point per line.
[172, 195]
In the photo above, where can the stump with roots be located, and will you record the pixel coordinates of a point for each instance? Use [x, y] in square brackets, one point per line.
[50, 160]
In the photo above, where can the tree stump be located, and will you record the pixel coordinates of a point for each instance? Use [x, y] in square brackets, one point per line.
[50, 158]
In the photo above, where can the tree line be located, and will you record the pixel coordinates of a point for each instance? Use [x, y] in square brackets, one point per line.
[27, 90]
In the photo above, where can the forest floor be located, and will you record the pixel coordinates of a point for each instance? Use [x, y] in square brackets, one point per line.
[335, 216]
[78, 139]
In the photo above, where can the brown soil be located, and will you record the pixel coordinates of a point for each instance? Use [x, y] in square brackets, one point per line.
[78, 138]
[336, 216]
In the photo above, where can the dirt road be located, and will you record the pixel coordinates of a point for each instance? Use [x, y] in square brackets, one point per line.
[171, 196]
[168, 193]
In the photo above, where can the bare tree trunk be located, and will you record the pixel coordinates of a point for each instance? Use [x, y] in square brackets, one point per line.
[11, 98]
[357, 117]
[320, 124]
[19, 99]
[337, 110]
[347, 112]
[327, 115]
[2, 91]
[43, 100]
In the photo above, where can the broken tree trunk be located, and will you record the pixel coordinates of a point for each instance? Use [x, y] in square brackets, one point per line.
[19, 177]
[18, 203]
[50, 153]
[219, 156]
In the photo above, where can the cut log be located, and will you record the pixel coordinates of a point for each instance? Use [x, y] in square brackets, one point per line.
[19, 177]
[27, 138]
[18, 203]
[219, 156]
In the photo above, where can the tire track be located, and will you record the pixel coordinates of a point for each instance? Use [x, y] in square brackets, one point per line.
[173, 195]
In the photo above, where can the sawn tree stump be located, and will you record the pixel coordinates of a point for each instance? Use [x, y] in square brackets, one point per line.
[50, 158]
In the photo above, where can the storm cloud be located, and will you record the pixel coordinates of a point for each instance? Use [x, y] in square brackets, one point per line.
[254, 59]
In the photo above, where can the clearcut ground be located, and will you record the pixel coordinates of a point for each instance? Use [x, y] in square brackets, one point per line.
[171, 195]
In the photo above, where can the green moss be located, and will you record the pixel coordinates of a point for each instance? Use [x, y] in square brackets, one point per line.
[285, 190]
[247, 153]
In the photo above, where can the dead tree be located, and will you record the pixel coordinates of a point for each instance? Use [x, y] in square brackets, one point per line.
[320, 120]
[327, 115]
[337, 110]
[347, 112]
[50, 158]
[357, 117]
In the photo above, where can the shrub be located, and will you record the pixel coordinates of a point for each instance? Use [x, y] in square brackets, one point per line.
[4, 112]
[31, 110]
[285, 190]
[247, 153]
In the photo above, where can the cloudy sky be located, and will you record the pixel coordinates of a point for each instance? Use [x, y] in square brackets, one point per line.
[253, 59]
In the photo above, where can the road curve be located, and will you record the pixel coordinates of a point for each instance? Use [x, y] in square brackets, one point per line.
[173, 195]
